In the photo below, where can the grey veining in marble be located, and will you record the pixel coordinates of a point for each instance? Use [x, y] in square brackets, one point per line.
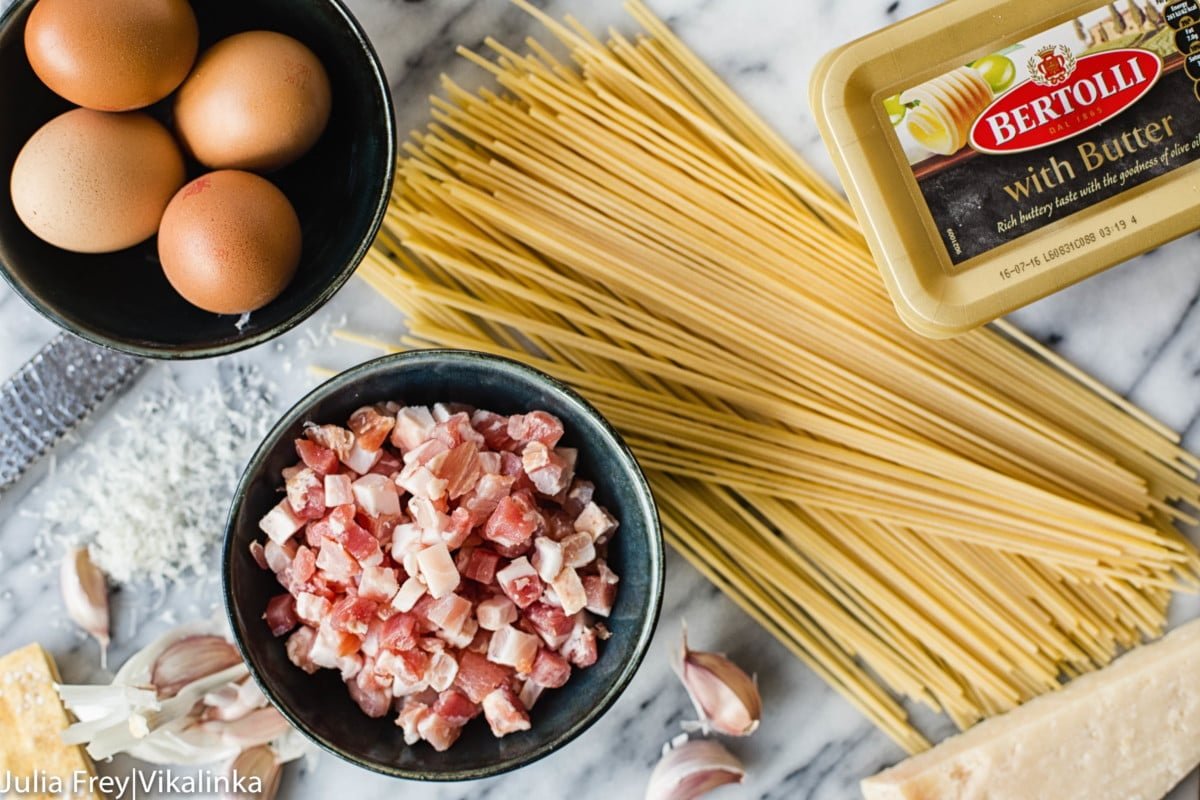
[1136, 327]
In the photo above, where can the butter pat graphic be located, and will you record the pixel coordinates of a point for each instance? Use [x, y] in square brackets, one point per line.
[945, 108]
[1131, 730]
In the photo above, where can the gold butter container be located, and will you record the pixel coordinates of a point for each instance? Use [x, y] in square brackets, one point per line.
[998, 151]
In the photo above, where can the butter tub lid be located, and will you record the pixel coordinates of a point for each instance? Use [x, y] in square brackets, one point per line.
[939, 286]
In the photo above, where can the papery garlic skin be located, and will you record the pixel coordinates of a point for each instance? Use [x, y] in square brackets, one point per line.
[85, 595]
[190, 659]
[257, 762]
[727, 700]
[691, 768]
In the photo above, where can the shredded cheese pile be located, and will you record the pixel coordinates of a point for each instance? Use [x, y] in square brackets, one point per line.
[149, 496]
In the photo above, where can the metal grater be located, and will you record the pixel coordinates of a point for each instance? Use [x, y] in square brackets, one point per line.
[51, 394]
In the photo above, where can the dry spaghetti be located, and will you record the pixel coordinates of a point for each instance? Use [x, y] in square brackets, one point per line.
[963, 522]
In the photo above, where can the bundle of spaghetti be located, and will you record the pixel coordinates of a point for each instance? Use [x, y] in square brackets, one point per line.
[961, 522]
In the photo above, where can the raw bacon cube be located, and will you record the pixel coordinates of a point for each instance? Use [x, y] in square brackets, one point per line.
[455, 707]
[550, 670]
[371, 427]
[450, 613]
[378, 583]
[414, 426]
[550, 472]
[338, 490]
[494, 429]
[550, 623]
[547, 558]
[331, 437]
[495, 612]
[419, 481]
[443, 668]
[569, 589]
[601, 589]
[376, 496]
[259, 554]
[281, 614]
[352, 614]
[399, 632]
[425, 453]
[312, 608]
[513, 648]
[536, 426]
[412, 711]
[304, 565]
[579, 550]
[595, 522]
[279, 557]
[513, 523]
[281, 522]
[412, 591]
[490, 462]
[438, 731]
[438, 570]
[336, 563]
[459, 467]
[320, 460]
[481, 565]
[580, 648]
[504, 712]
[360, 459]
[372, 696]
[520, 582]
[299, 646]
[578, 497]
[388, 465]
[477, 677]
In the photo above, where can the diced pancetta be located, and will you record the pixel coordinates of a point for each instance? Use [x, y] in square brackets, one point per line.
[495, 612]
[569, 588]
[504, 712]
[414, 426]
[547, 558]
[438, 570]
[376, 496]
[281, 522]
[378, 583]
[520, 582]
[595, 522]
[513, 648]
[412, 590]
[338, 490]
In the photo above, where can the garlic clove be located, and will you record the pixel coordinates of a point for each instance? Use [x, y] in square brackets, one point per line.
[190, 660]
[693, 767]
[254, 729]
[725, 697]
[85, 594]
[255, 768]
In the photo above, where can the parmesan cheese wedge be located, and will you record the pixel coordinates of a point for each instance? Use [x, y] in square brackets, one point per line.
[1128, 732]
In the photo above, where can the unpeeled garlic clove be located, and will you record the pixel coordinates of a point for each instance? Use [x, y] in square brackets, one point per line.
[693, 767]
[85, 594]
[725, 697]
[190, 660]
[256, 768]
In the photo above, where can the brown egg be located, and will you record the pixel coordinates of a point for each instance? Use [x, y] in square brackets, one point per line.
[257, 100]
[112, 55]
[95, 182]
[229, 242]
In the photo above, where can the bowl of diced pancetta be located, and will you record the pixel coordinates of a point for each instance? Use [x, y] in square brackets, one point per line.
[443, 565]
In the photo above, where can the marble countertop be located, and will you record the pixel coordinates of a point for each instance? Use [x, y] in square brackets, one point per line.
[1136, 327]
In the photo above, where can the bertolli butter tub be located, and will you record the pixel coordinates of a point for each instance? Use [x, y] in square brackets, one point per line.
[996, 152]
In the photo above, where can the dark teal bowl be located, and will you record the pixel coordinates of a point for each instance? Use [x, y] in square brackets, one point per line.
[340, 190]
[318, 705]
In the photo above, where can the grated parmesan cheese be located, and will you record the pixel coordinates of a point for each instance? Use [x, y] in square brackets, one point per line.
[149, 496]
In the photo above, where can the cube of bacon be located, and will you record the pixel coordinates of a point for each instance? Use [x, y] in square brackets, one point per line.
[429, 518]
[520, 582]
[412, 711]
[373, 696]
[331, 645]
[455, 707]
[595, 522]
[495, 612]
[419, 481]
[601, 589]
[581, 648]
[530, 692]
[547, 558]
[438, 570]
[350, 666]
[352, 614]
[299, 646]
[304, 565]
[458, 467]
[438, 731]
[388, 465]
[513, 648]
[443, 668]
[336, 563]
[338, 490]
[569, 589]
[259, 554]
[354, 538]
[482, 501]
[424, 454]
[360, 459]
[550, 623]
[579, 550]
[399, 632]
[312, 608]
[371, 427]
[549, 470]
[578, 497]
[320, 460]
[332, 437]
[378, 583]
[414, 427]
[281, 614]
[513, 523]
[281, 522]
[494, 429]
[278, 556]
[409, 670]
[410, 592]
[481, 566]
[490, 462]
[536, 426]
[504, 712]
[458, 529]
[450, 613]
[477, 677]
[456, 429]
[376, 496]
[550, 669]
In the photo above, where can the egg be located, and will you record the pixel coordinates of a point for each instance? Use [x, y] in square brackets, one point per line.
[229, 242]
[112, 55]
[96, 182]
[255, 101]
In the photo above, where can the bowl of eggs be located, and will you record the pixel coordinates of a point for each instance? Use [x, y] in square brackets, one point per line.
[185, 179]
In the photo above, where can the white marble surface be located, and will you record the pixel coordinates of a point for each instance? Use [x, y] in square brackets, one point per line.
[1137, 327]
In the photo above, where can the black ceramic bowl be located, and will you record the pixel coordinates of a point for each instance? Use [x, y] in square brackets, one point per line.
[319, 705]
[339, 189]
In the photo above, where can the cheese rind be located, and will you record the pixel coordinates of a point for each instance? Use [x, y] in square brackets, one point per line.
[1128, 732]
